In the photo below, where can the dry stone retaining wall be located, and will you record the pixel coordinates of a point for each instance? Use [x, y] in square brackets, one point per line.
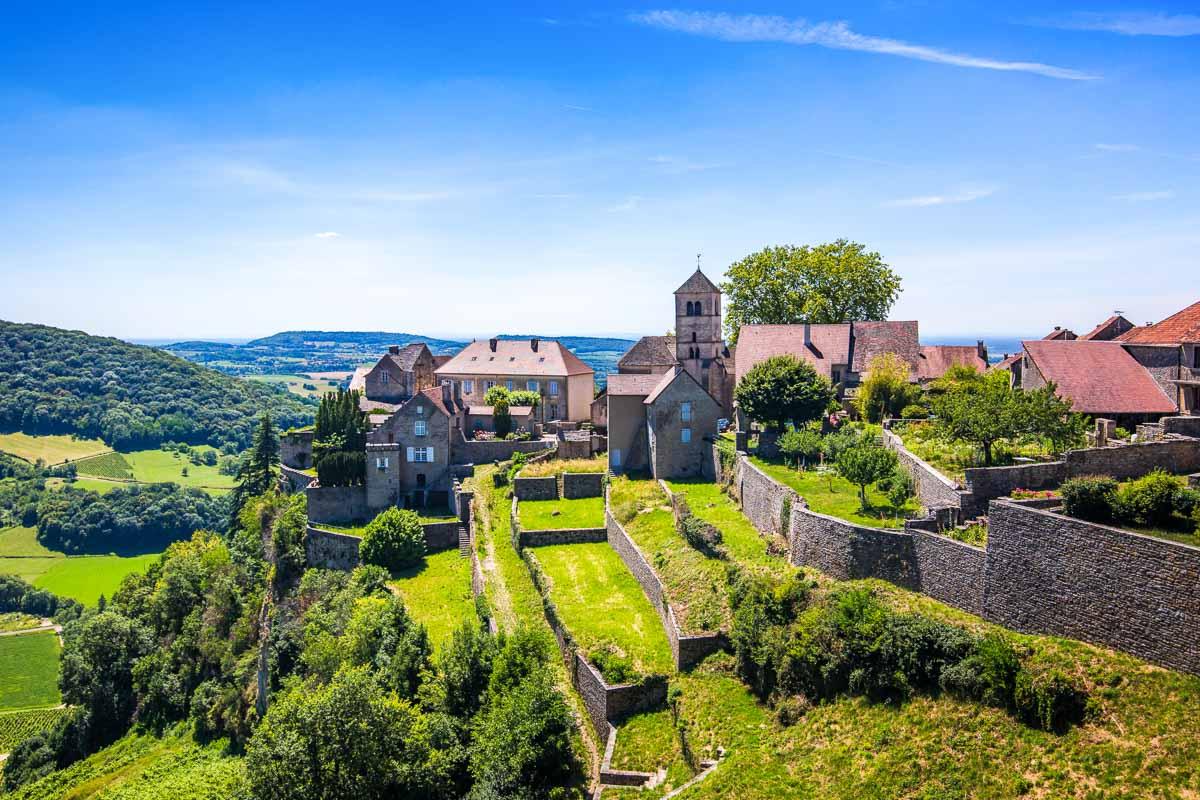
[535, 488]
[848, 551]
[294, 480]
[949, 570]
[1049, 573]
[986, 483]
[562, 536]
[337, 505]
[933, 488]
[1134, 460]
[583, 484]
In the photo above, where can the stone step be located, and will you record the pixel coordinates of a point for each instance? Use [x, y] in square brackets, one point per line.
[464, 542]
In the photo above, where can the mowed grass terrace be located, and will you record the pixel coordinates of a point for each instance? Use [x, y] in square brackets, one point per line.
[82, 578]
[600, 603]
[546, 515]
[826, 492]
[438, 594]
[29, 671]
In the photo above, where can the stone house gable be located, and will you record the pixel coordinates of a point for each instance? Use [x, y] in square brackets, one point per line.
[681, 420]
[408, 456]
[401, 373]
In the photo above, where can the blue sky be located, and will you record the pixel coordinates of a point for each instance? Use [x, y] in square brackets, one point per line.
[184, 169]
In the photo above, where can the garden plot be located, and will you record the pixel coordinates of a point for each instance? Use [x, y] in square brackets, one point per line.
[548, 515]
[438, 594]
[825, 492]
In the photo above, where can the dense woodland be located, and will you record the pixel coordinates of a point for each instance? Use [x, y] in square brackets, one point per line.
[59, 381]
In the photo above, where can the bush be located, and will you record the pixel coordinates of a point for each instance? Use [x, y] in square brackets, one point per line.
[838, 442]
[988, 675]
[615, 666]
[1150, 500]
[801, 443]
[342, 468]
[914, 411]
[393, 540]
[1050, 700]
[1091, 497]
[898, 487]
[865, 463]
[1187, 502]
[696, 532]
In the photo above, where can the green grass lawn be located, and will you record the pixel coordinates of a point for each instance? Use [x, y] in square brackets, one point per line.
[85, 578]
[23, 542]
[438, 594]
[600, 602]
[554, 466]
[51, 449]
[18, 621]
[829, 493]
[695, 584]
[741, 539]
[583, 512]
[296, 383]
[157, 466]
[358, 530]
[29, 670]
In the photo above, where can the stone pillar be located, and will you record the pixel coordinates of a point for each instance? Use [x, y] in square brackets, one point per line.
[1105, 430]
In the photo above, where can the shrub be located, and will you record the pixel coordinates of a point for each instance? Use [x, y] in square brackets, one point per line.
[616, 667]
[1150, 500]
[898, 487]
[865, 463]
[1049, 700]
[1091, 497]
[393, 540]
[914, 411]
[838, 442]
[342, 468]
[1187, 502]
[800, 444]
[696, 532]
[988, 675]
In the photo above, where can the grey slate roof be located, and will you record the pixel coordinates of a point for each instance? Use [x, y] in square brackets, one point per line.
[650, 351]
[697, 284]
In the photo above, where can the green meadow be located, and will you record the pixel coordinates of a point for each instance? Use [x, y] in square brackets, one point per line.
[82, 578]
[29, 670]
[438, 594]
[50, 449]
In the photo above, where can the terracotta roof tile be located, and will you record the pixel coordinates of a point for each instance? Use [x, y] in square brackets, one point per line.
[1183, 326]
[875, 338]
[515, 357]
[624, 385]
[937, 358]
[1060, 334]
[829, 346]
[1099, 377]
[650, 351]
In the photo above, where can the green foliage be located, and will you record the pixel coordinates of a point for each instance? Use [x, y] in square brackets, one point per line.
[800, 445]
[258, 472]
[886, 388]
[616, 666]
[59, 381]
[988, 410]
[839, 281]
[393, 540]
[381, 634]
[699, 534]
[1048, 700]
[339, 440]
[783, 389]
[836, 443]
[988, 675]
[17, 726]
[914, 411]
[17, 595]
[898, 486]
[464, 670]
[342, 468]
[501, 418]
[864, 464]
[1090, 497]
[1149, 500]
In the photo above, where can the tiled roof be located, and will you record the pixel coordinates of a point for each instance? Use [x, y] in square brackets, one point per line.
[1008, 361]
[515, 357]
[1060, 334]
[666, 380]
[513, 411]
[829, 345]
[406, 359]
[937, 358]
[874, 338]
[650, 351]
[623, 385]
[440, 360]
[1099, 377]
[1108, 330]
[697, 284]
[1178, 328]
[435, 396]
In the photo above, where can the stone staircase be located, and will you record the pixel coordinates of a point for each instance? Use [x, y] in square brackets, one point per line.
[464, 541]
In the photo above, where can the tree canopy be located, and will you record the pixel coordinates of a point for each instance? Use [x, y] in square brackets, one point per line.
[885, 390]
[783, 389]
[839, 281]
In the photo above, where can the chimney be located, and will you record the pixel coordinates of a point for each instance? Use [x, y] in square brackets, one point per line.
[492, 345]
[394, 349]
[981, 350]
[808, 335]
[533, 343]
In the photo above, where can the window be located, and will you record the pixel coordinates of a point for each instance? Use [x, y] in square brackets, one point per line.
[685, 435]
[532, 386]
[554, 388]
[420, 409]
[383, 378]
[468, 387]
[685, 412]
[1196, 356]
[420, 455]
[616, 458]
[509, 384]
[554, 411]
[837, 376]
[693, 336]
[419, 428]
[381, 463]
[488, 384]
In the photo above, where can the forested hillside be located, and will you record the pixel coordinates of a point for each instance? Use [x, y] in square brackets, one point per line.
[60, 381]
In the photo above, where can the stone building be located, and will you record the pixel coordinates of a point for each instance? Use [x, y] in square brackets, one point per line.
[936, 359]
[661, 423]
[400, 374]
[1180, 333]
[698, 345]
[565, 383]
[409, 455]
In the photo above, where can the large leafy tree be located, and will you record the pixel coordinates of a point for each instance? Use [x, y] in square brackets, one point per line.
[840, 281]
[865, 463]
[783, 389]
[886, 389]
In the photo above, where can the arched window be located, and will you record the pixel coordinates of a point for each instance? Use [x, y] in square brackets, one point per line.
[693, 336]
[690, 309]
[699, 307]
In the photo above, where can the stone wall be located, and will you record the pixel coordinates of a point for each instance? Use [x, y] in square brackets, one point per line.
[763, 499]
[949, 570]
[562, 536]
[337, 505]
[847, 551]
[535, 488]
[440, 536]
[295, 449]
[583, 484]
[1184, 426]
[990, 482]
[1179, 456]
[933, 488]
[464, 451]
[294, 480]
[1051, 574]
[331, 550]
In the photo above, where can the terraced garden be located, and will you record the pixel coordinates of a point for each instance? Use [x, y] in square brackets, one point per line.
[545, 515]
[438, 594]
[828, 493]
[602, 605]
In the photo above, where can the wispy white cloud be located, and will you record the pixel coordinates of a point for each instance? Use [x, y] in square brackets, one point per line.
[1128, 23]
[630, 203]
[834, 35]
[328, 235]
[1144, 197]
[679, 164]
[924, 201]
[570, 107]
[1118, 148]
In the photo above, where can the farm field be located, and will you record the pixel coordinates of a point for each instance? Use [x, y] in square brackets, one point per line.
[544, 515]
[297, 383]
[51, 449]
[155, 466]
[601, 603]
[29, 671]
[17, 726]
[85, 578]
[97, 485]
[22, 541]
[438, 594]
[831, 494]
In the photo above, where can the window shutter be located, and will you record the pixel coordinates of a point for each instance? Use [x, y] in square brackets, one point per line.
[410, 454]
[430, 459]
